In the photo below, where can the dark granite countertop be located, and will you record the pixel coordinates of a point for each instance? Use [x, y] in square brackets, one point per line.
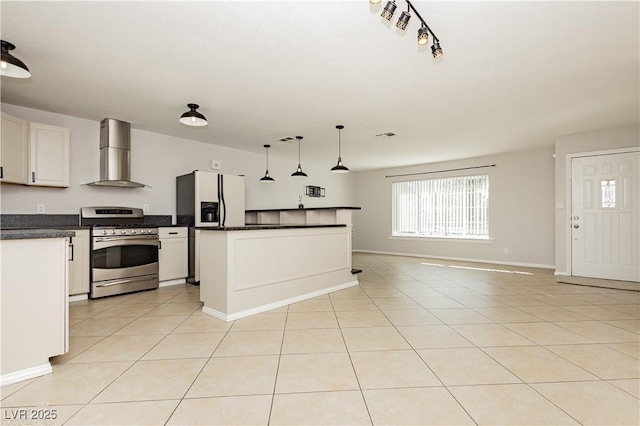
[40, 228]
[264, 227]
[305, 209]
[29, 234]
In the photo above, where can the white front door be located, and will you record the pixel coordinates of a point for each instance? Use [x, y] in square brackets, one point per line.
[605, 219]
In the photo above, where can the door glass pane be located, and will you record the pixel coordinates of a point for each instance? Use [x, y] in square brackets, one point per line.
[608, 193]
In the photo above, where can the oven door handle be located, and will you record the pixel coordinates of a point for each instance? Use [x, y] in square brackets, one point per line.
[117, 242]
[127, 238]
[125, 280]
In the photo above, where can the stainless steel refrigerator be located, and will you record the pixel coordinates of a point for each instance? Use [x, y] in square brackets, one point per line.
[207, 199]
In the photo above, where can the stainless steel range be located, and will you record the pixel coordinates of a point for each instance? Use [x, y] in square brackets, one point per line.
[124, 252]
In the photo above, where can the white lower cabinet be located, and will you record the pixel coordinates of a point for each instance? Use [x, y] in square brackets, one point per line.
[173, 253]
[79, 263]
[34, 306]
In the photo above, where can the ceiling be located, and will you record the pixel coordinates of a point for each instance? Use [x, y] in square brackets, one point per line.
[514, 75]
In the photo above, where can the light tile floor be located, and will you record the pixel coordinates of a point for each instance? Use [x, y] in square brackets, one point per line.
[418, 342]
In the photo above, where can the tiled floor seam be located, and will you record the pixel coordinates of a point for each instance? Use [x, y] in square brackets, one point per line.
[355, 373]
[275, 382]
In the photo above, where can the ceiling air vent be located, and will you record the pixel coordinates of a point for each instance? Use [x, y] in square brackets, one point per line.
[385, 135]
[288, 139]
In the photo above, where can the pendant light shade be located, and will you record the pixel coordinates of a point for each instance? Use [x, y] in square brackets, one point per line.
[299, 172]
[10, 66]
[339, 168]
[267, 178]
[193, 117]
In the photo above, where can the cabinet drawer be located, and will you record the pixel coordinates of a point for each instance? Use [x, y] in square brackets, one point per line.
[181, 232]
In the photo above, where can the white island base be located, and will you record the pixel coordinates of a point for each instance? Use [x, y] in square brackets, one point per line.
[248, 270]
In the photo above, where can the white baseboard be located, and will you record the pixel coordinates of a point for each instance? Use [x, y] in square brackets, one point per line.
[78, 297]
[168, 283]
[463, 259]
[274, 305]
[26, 374]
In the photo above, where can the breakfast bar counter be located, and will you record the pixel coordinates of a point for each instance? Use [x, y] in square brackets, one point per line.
[250, 269]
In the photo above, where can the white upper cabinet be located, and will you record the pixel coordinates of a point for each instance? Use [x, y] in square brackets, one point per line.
[34, 153]
[49, 155]
[14, 153]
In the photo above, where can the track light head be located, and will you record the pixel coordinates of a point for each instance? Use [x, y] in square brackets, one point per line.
[436, 50]
[403, 21]
[375, 1]
[389, 10]
[423, 36]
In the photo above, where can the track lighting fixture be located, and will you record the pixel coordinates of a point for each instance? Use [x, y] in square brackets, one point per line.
[403, 21]
[339, 168]
[423, 36]
[299, 172]
[436, 50]
[266, 178]
[10, 66]
[193, 117]
[389, 10]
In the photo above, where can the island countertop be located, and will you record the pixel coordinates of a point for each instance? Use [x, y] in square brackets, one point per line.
[261, 227]
[303, 209]
[30, 234]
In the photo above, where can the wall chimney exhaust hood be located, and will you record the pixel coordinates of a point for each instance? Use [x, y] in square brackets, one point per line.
[115, 155]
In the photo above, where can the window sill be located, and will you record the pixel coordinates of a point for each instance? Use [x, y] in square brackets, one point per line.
[443, 239]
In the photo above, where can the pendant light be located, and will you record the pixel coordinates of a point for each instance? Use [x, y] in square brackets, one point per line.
[267, 178]
[193, 117]
[339, 168]
[10, 66]
[299, 172]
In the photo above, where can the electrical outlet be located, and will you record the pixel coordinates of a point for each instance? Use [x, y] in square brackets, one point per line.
[505, 251]
[145, 208]
[40, 209]
[215, 165]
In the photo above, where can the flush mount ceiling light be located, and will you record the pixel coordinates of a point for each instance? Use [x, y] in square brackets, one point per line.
[267, 178]
[299, 172]
[193, 117]
[10, 66]
[403, 21]
[339, 168]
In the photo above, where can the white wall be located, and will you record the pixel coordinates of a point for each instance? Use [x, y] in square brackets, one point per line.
[602, 140]
[156, 160]
[521, 215]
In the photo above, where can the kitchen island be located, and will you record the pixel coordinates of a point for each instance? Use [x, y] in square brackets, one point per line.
[250, 269]
[34, 289]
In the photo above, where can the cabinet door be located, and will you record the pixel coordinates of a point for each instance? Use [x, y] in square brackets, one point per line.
[14, 154]
[79, 263]
[172, 259]
[49, 155]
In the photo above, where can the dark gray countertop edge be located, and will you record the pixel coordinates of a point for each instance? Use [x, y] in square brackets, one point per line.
[31, 234]
[264, 227]
[305, 209]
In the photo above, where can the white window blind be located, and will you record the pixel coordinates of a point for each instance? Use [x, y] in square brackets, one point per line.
[446, 207]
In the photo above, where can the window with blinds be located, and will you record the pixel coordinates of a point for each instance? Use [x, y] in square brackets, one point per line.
[456, 207]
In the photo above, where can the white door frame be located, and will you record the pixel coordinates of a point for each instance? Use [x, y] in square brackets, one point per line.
[568, 193]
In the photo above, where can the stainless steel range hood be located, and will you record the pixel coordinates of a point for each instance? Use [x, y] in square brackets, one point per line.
[115, 155]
